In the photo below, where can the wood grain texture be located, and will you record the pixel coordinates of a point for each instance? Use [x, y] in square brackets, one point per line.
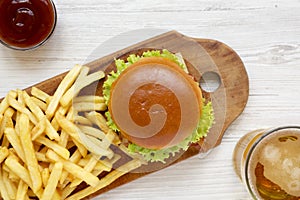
[265, 34]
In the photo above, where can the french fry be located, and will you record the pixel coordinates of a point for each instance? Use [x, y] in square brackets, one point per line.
[92, 132]
[3, 190]
[64, 135]
[62, 111]
[82, 120]
[74, 169]
[56, 195]
[10, 187]
[108, 168]
[12, 176]
[15, 141]
[45, 176]
[62, 88]
[106, 139]
[91, 98]
[70, 144]
[20, 98]
[113, 137]
[29, 152]
[7, 121]
[13, 154]
[71, 129]
[22, 191]
[4, 103]
[88, 106]
[41, 157]
[51, 132]
[68, 126]
[65, 110]
[107, 164]
[35, 109]
[89, 167]
[64, 101]
[39, 193]
[108, 152]
[91, 163]
[5, 142]
[18, 169]
[67, 191]
[82, 149]
[63, 152]
[5, 168]
[108, 179]
[75, 156]
[84, 72]
[30, 193]
[1, 118]
[64, 139]
[78, 85]
[48, 100]
[39, 94]
[100, 121]
[3, 153]
[52, 181]
[42, 105]
[38, 129]
[21, 108]
[92, 147]
[18, 113]
[99, 166]
[55, 124]
[74, 159]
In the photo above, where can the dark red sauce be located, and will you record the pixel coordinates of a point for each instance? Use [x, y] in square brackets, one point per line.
[26, 23]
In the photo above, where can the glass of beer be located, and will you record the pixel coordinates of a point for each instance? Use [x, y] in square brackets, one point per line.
[268, 163]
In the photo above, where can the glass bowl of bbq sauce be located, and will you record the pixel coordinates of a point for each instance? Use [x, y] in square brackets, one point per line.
[26, 24]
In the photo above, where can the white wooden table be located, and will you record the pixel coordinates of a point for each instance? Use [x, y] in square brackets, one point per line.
[266, 34]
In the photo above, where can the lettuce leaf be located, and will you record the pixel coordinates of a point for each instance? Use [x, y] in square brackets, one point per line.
[154, 155]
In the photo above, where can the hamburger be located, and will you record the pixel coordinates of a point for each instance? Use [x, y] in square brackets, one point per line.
[155, 105]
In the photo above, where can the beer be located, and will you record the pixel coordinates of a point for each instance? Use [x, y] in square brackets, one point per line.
[268, 162]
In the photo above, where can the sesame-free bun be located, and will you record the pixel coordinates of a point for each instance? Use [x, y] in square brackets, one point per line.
[155, 103]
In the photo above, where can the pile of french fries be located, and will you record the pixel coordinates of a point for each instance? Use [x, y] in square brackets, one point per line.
[51, 144]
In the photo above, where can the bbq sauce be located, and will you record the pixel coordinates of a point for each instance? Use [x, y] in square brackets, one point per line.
[26, 24]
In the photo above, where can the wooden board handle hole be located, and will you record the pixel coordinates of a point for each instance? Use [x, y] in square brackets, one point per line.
[210, 81]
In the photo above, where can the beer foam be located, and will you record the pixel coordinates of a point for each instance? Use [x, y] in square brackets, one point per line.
[279, 154]
[271, 153]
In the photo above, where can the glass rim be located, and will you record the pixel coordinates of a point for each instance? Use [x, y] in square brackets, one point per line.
[266, 133]
[41, 42]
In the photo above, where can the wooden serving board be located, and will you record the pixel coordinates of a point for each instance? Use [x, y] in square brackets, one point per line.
[201, 55]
